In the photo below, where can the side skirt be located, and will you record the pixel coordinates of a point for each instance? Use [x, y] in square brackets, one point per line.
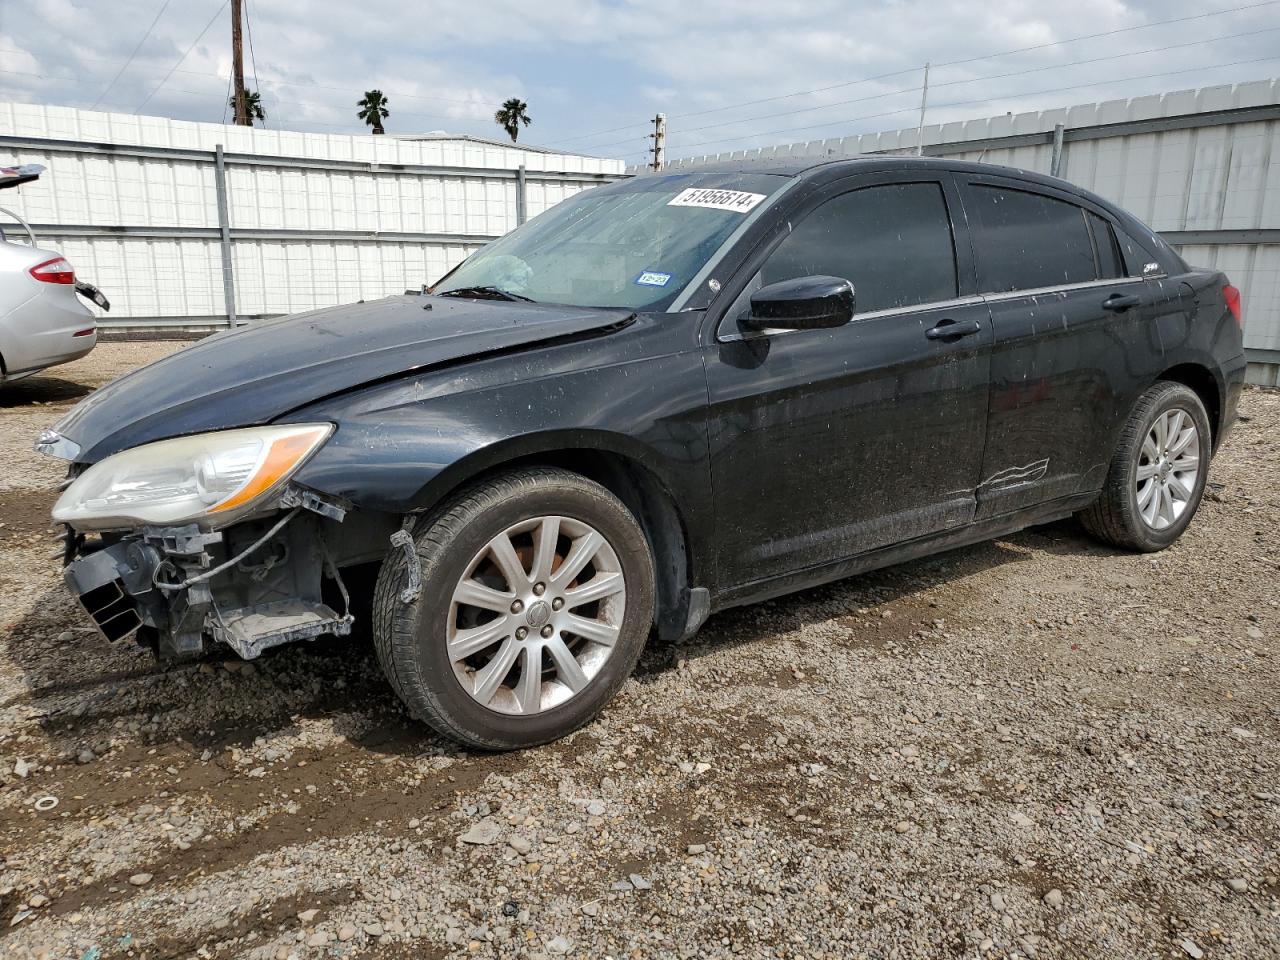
[987, 529]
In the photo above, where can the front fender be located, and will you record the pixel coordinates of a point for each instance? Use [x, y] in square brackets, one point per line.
[401, 447]
[410, 465]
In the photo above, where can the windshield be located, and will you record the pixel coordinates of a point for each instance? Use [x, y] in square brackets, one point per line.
[634, 244]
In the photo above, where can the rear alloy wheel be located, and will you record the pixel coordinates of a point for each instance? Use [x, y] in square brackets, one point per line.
[1168, 469]
[1157, 474]
[537, 597]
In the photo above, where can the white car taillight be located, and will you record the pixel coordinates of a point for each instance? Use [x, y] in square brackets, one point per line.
[56, 270]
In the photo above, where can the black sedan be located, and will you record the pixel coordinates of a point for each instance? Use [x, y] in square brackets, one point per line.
[662, 398]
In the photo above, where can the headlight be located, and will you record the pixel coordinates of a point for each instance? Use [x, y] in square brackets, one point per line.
[212, 478]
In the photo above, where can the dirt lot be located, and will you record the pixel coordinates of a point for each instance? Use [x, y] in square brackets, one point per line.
[1035, 747]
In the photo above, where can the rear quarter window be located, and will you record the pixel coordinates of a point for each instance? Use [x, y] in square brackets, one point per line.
[1027, 240]
[1110, 263]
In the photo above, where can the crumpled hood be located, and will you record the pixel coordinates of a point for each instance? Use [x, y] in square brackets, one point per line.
[260, 372]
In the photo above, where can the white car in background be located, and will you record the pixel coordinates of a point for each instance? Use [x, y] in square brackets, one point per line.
[42, 321]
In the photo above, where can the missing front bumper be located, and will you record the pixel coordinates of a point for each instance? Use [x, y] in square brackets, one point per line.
[251, 587]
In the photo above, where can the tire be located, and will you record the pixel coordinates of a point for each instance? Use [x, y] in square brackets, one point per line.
[454, 546]
[1119, 516]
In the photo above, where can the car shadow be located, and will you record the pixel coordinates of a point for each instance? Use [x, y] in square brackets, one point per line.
[79, 685]
[41, 389]
[902, 589]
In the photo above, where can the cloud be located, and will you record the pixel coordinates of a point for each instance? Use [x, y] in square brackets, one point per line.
[593, 66]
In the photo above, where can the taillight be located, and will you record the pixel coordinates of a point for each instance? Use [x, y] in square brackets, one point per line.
[56, 270]
[1232, 296]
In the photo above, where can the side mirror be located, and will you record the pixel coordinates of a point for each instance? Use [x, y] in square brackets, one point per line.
[806, 303]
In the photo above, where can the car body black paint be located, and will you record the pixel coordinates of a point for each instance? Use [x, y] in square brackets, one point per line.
[258, 374]
[790, 459]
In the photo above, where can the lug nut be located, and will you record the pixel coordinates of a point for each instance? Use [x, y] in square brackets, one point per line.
[521, 633]
[548, 630]
[557, 603]
[517, 606]
[539, 588]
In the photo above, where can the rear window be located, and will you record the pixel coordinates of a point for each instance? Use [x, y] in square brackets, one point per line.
[1027, 240]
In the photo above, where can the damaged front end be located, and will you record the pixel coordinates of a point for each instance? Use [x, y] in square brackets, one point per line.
[205, 538]
[252, 586]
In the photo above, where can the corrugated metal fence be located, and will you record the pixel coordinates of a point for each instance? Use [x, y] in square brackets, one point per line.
[1200, 166]
[187, 224]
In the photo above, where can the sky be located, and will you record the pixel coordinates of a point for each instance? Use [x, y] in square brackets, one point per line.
[729, 74]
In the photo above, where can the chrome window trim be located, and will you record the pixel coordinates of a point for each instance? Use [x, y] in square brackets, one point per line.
[857, 318]
[1064, 287]
[738, 335]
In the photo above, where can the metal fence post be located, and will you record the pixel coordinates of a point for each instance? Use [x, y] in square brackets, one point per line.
[522, 196]
[1055, 160]
[224, 229]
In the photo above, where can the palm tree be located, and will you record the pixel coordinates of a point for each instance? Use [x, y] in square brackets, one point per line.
[252, 107]
[513, 113]
[373, 109]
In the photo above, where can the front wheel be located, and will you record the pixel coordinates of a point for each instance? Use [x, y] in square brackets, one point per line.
[1157, 474]
[536, 599]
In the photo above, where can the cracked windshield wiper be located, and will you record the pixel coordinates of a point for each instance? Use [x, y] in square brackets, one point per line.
[487, 293]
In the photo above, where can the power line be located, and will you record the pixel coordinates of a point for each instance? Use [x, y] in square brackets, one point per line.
[214, 76]
[749, 103]
[792, 113]
[222, 6]
[994, 76]
[282, 83]
[205, 94]
[1112, 33]
[164, 6]
[1015, 96]
[950, 63]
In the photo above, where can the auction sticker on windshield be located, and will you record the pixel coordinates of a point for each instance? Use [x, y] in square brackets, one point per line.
[737, 201]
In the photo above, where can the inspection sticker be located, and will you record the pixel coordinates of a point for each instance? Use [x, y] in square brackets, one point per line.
[652, 278]
[736, 201]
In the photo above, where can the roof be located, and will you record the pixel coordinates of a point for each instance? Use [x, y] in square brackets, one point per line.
[799, 166]
[823, 169]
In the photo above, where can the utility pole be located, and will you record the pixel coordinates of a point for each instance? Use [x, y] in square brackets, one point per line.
[659, 136]
[924, 102]
[237, 67]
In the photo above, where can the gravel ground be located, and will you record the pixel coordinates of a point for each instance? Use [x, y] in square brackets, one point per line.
[1035, 747]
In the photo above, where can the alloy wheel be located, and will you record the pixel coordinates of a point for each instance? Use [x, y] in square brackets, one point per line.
[536, 615]
[1168, 468]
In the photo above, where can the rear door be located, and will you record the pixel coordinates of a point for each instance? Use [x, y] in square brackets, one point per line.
[830, 443]
[1069, 323]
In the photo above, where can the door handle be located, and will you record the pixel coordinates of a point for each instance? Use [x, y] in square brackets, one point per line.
[953, 329]
[1120, 302]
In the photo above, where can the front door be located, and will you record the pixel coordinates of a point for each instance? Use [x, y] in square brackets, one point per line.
[830, 443]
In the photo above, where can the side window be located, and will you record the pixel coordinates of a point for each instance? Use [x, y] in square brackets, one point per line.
[1028, 241]
[892, 242]
[1110, 264]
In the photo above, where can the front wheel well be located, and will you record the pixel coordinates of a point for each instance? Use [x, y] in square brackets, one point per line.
[649, 501]
[1200, 380]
